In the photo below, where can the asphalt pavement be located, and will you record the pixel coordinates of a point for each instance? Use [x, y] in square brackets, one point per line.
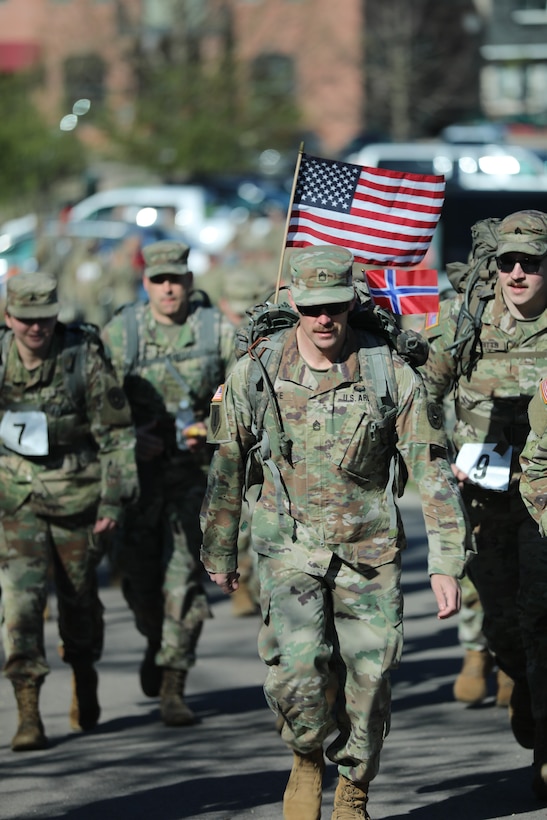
[441, 760]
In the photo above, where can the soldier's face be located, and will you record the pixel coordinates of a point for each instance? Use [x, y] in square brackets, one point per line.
[323, 327]
[34, 335]
[168, 295]
[525, 294]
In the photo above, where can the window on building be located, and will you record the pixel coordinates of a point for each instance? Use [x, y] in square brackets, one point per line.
[273, 75]
[85, 78]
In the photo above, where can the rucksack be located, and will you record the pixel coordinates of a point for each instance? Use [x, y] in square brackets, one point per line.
[262, 339]
[476, 279]
[208, 339]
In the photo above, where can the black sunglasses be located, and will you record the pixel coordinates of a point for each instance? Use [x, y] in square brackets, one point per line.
[318, 310]
[529, 264]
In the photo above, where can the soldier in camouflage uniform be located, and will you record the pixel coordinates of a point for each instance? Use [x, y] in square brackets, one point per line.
[170, 353]
[67, 463]
[533, 583]
[489, 434]
[327, 528]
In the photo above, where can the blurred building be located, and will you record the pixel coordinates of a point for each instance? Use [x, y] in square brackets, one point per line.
[79, 50]
[345, 64]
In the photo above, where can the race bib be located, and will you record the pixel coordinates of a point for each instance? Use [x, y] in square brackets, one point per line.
[25, 432]
[486, 465]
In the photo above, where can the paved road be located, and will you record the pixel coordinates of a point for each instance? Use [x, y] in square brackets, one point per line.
[441, 761]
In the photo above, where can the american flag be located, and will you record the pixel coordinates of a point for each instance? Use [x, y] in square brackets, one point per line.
[383, 217]
[404, 291]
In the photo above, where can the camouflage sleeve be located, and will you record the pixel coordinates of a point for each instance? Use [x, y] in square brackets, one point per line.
[111, 426]
[533, 460]
[439, 371]
[221, 509]
[422, 445]
[114, 342]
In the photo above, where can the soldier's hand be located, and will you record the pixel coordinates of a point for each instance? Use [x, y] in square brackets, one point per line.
[148, 445]
[227, 581]
[104, 525]
[196, 436]
[447, 593]
[461, 477]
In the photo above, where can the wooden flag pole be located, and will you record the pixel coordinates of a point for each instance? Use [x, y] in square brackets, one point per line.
[287, 222]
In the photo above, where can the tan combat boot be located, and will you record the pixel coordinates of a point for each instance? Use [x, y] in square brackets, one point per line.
[174, 711]
[30, 731]
[350, 800]
[505, 689]
[304, 791]
[84, 709]
[471, 685]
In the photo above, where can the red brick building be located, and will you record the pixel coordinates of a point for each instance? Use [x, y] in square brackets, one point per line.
[83, 49]
[79, 48]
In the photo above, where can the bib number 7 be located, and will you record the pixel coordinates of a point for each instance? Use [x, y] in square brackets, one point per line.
[25, 432]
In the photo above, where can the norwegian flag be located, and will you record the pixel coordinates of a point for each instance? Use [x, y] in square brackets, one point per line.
[404, 291]
[383, 217]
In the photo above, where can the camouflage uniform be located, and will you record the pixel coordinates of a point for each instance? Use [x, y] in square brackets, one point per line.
[491, 407]
[329, 534]
[53, 493]
[158, 554]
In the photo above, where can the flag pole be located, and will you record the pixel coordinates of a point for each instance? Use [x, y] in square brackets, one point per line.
[287, 222]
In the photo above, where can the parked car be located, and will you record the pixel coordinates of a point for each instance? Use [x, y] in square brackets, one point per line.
[187, 208]
[473, 167]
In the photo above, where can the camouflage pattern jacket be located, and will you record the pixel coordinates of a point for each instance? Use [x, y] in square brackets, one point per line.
[492, 405]
[345, 470]
[169, 366]
[89, 437]
[533, 459]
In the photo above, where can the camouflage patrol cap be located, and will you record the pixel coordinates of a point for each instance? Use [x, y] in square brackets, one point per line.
[321, 275]
[523, 232]
[32, 296]
[166, 256]
[242, 289]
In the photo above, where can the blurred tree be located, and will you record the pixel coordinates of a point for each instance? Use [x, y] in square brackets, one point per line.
[197, 110]
[421, 65]
[33, 156]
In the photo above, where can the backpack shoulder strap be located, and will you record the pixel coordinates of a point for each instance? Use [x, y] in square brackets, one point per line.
[131, 315]
[5, 340]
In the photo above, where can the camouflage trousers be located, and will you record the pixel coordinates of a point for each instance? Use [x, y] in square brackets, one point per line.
[29, 546]
[347, 622]
[510, 573]
[161, 574]
[470, 618]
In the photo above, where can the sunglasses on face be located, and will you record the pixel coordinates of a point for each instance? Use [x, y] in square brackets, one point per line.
[319, 310]
[529, 264]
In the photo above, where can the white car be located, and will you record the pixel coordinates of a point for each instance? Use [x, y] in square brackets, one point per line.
[182, 207]
[473, 167]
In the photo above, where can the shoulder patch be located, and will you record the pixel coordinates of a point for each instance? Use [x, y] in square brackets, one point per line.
[219, 393]
[431, 320]
[543, 390]
[435, 415]
[116, 398]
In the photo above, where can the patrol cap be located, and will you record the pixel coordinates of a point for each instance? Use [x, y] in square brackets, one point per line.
[32, 296]
[523, 232]
[242, 290]
[166, 256]
[321, 275]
